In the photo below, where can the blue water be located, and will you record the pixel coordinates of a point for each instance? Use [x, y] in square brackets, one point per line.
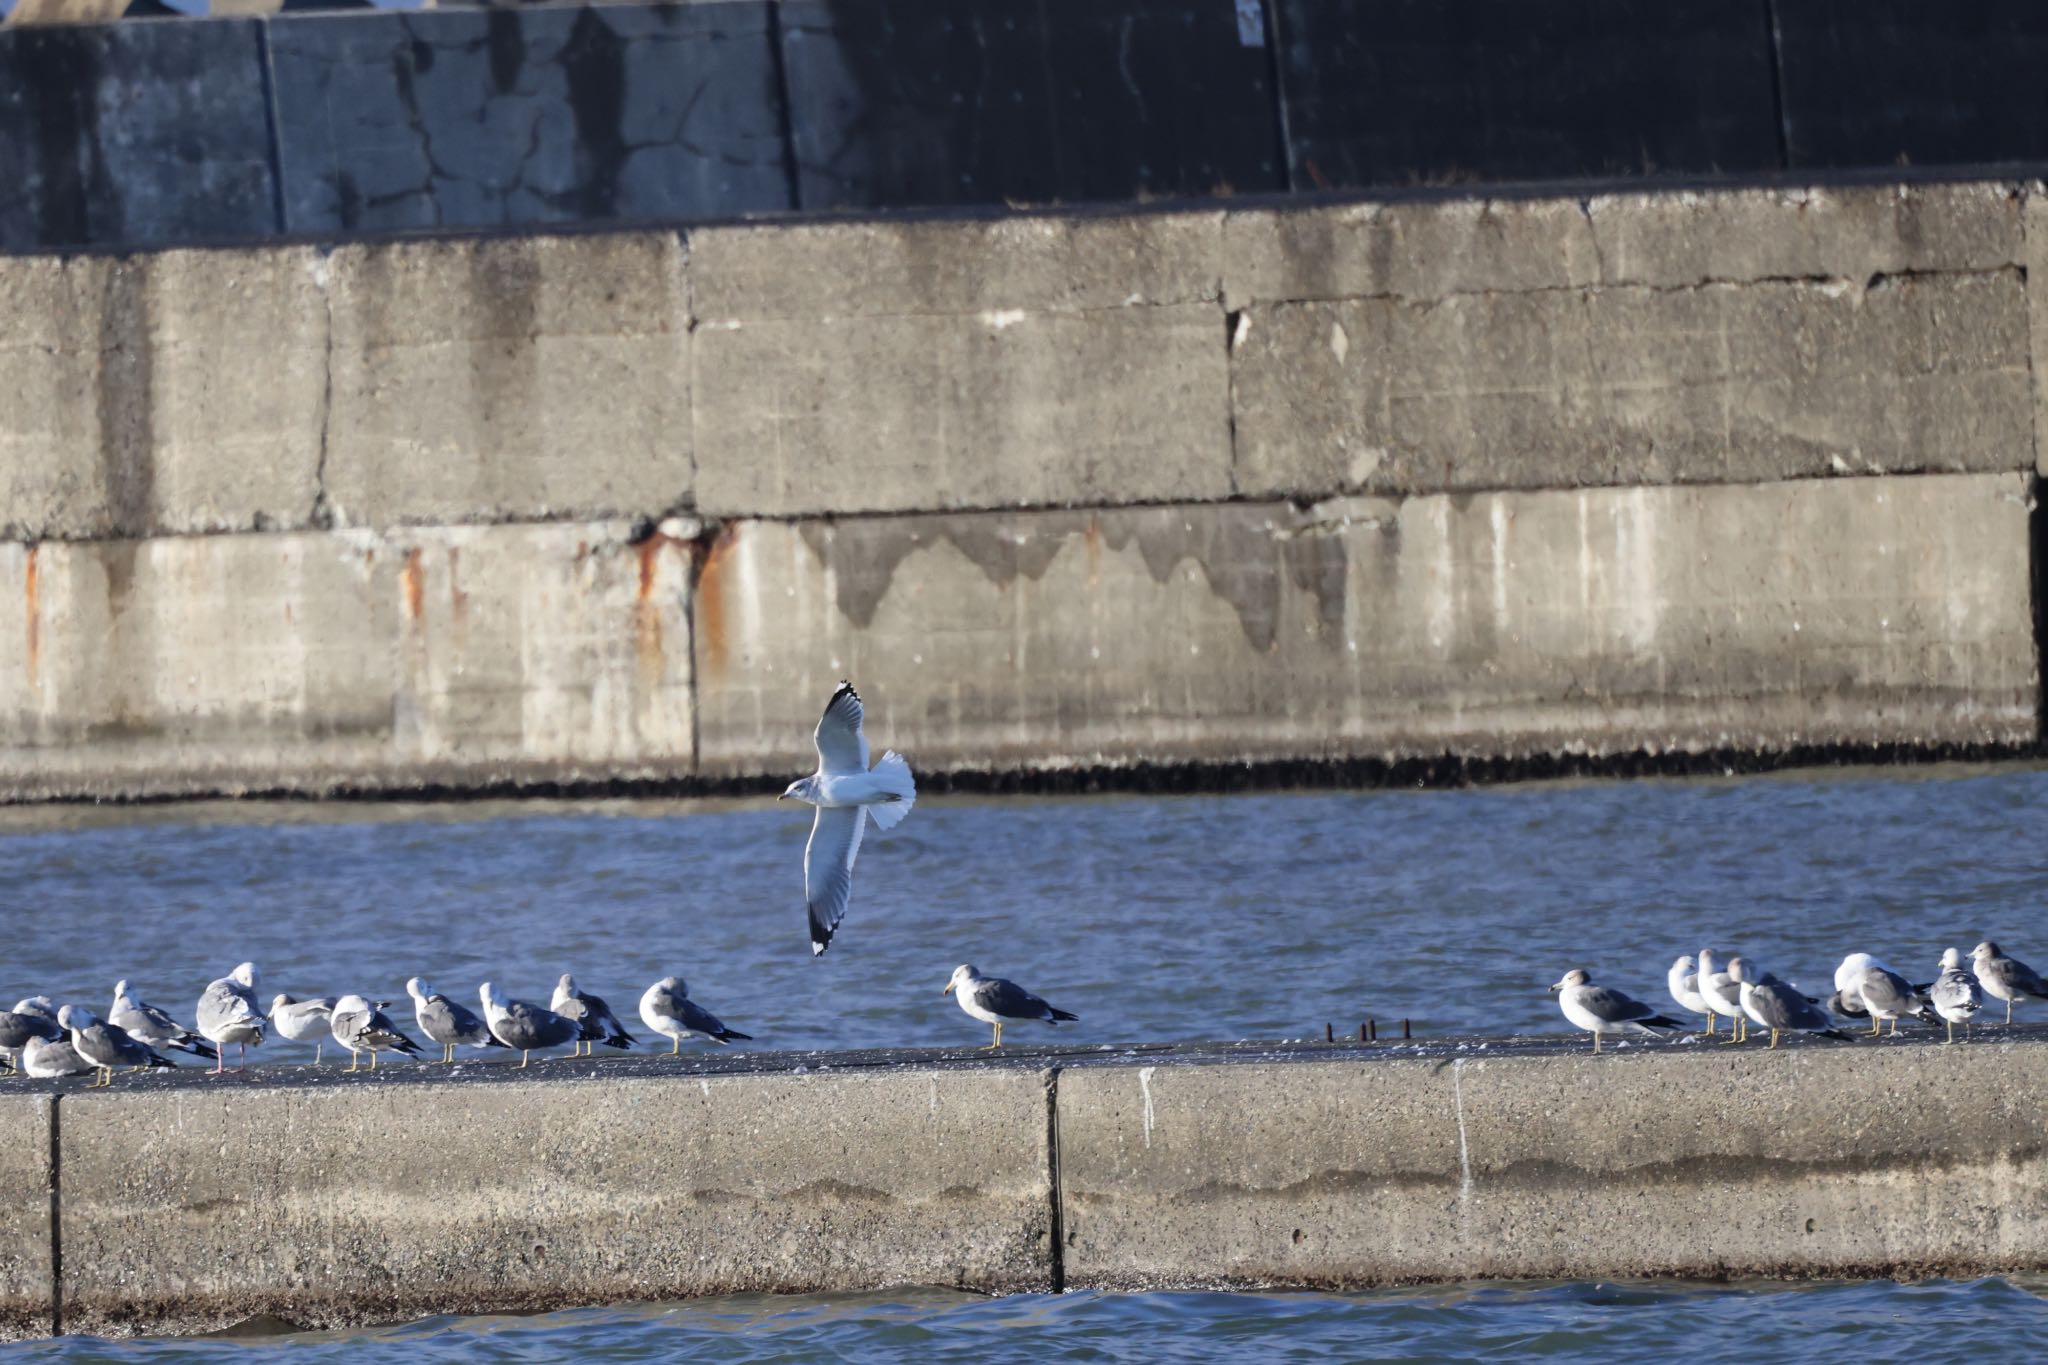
[1878, 1321]
[1152, 918]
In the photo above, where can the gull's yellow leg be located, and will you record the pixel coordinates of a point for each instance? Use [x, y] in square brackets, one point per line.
[373, 1059]
[1876, 1024]
[675, 1046]
[1774, 1040]
[352, 1060]
[1951, 1029]
[524, 1054]
[1710, 1023]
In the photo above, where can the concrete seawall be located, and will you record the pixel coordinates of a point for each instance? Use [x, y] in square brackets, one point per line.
[1742, 470]
[326, 1199]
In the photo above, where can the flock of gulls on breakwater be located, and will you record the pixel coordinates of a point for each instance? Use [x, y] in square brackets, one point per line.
[1742, 993]
[44, 1040]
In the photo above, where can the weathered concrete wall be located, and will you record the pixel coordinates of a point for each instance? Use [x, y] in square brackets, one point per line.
[26, 1210]
[463, 656]
[1478, 477]
[1202, 1165]
[1568, 1167]
[1816, 612]
[536, 1194]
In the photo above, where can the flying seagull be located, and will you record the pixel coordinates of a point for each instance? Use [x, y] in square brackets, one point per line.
[304, 1021]
[2006, 978]
[1601, 1009]
[667, 1009]
[595, 1022]
[842, 789]
[227, 1013]
[526, 1027]
[152, 1027]
[446, 1022]
[996, 1001]
[361, 1027]
[1777, 1006]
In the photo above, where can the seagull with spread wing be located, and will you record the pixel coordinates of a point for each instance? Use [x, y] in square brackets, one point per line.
[847, 794]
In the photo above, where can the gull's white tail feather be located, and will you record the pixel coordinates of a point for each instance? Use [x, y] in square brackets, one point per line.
[892, 776]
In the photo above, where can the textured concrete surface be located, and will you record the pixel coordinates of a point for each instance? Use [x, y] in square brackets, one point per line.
[1601, 621]
[1632, 385]
[1818, 1161]
[522, 378]
[536, 1195]
[999, 409]
[555, 113]
[466, 656]
[1430, 248]
[25, 1270]
[177, 392]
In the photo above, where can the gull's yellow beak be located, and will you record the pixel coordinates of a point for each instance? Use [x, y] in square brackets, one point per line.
[946, 989]
[1554, 987]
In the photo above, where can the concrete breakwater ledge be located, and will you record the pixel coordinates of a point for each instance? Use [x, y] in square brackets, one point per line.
[185, 1203]
[1741, 470]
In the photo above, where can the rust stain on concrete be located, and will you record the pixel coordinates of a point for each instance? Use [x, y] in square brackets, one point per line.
[713, 556]
[648, 646]
[458, 600]
[32, 581]
[412, 585]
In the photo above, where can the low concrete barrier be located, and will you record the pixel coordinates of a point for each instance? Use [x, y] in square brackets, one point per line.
[188, 1203]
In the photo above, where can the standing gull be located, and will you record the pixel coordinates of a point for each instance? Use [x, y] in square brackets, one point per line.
[105, 1046]
[152, 1027]
[446, 1022]
[45, 1058]
[29, 1019]
[1723, 996]
[526, 1027]
[667, 1009]
[843, 789]
[227, 1013]
[996, 1001]
[361, 1027]
[595, 1022]
[1885, 994]
[305, 1021]
[1683, 981]
[1778, 1006]
[1601, 1009]
[2006, 978]
[1954, 994]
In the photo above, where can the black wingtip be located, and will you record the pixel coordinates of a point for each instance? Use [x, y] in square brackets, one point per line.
[728, 1035]
[1060, 1014]
[618, 1042]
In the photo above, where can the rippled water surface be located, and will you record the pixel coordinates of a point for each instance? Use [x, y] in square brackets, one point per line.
[1941, 1320]
[1153, 919]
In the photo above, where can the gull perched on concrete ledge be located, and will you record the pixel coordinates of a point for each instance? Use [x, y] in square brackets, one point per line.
[104, 1046]
[1602, 1010]
[227, 1013]
[595, 1022]
[996, 1001]
[1882, 992]
[526, 1027]
[446, 1022]
[1723, 995]
[2006, 978]
[30, 1019]
[361, 1027]
[845, 793]
[667, 1009]
[47, 1058]
[1777, 1006]
[152, 1027]
[1683, 981]
[305, 1021]
[1954, 994]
